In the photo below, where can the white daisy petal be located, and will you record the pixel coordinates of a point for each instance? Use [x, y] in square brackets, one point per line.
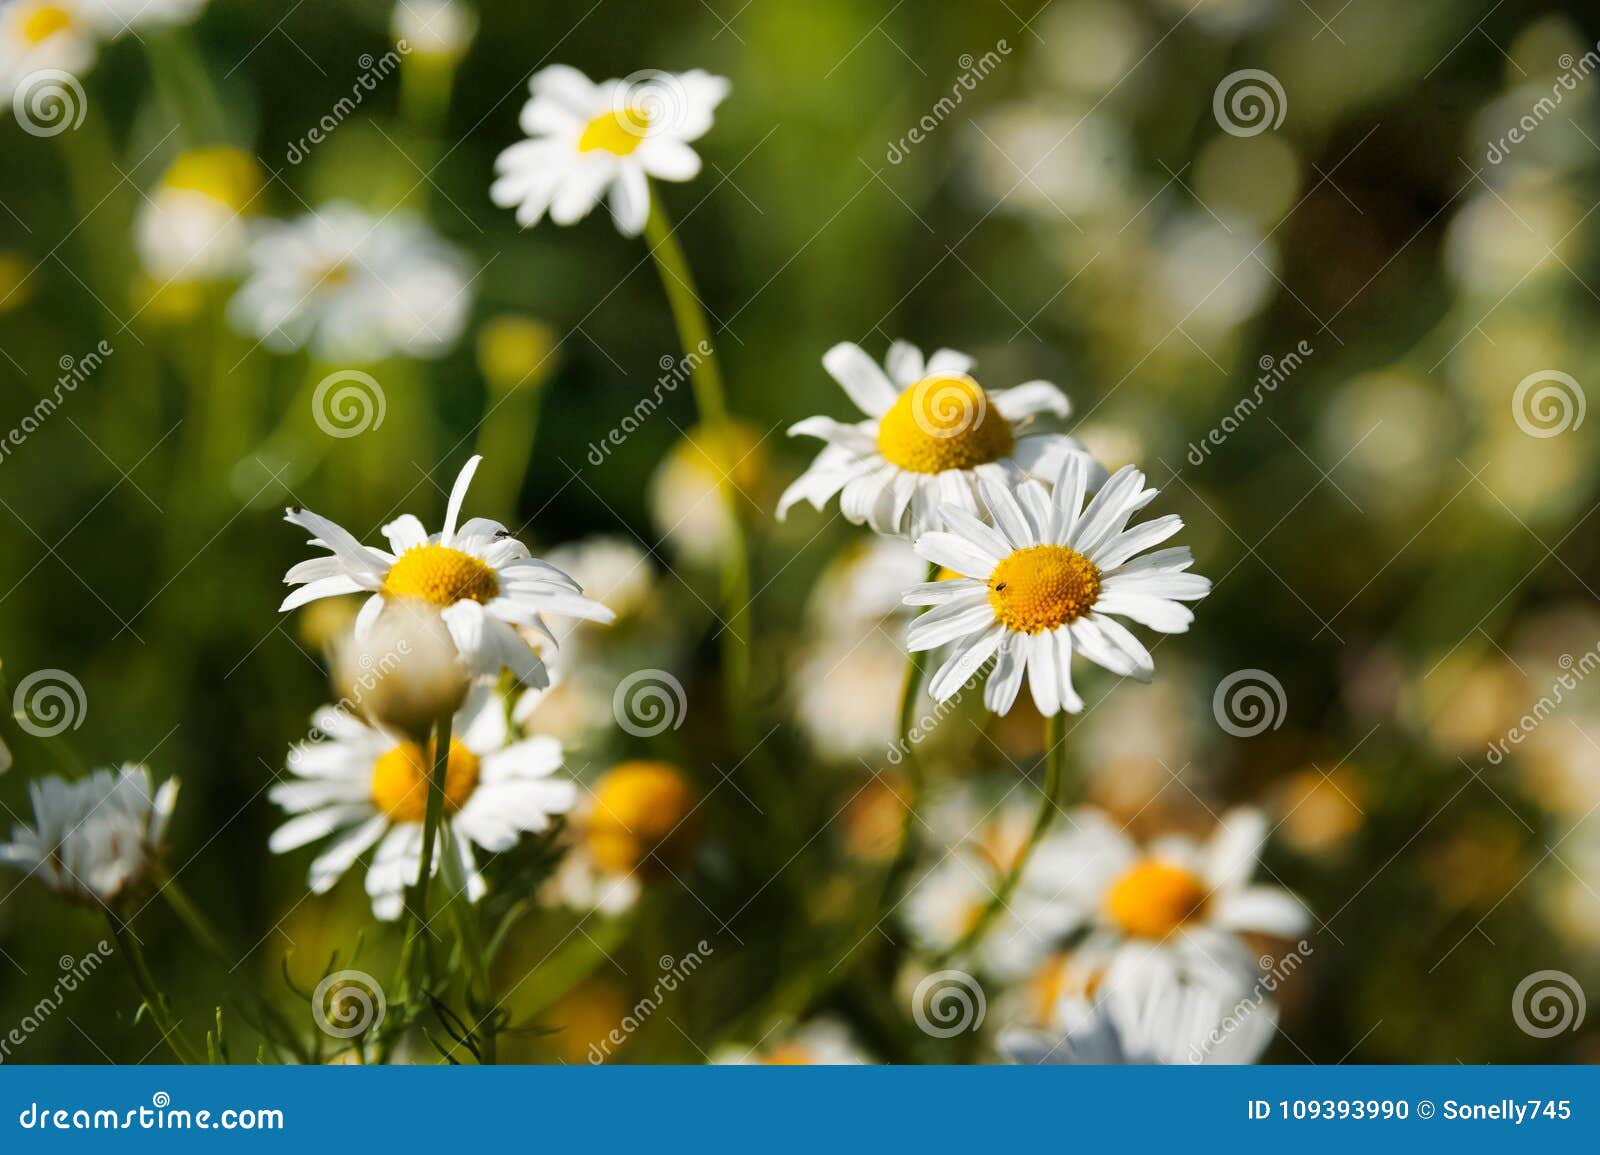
[1026, 401]
[948, 622]
[904, 363]
[956, 553]
[1001, 692]
[1168, 617]
[1044, 670]
[1131, 541]
[948, 363]
[963, 662]
[860, 377]
[1261, 910]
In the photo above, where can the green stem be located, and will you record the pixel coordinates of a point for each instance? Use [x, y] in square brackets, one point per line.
[417, 903]
[694, 335]
[916, 780]
[1048, 807]
[160, 1013]
[474, 951]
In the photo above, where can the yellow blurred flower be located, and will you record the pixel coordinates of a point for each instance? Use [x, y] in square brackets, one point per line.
[515, 352]
[642, 819]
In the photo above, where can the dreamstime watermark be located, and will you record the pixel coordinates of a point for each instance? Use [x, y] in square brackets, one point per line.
[1249, 702]
[1548, 403]
[1576, 671]
[1547, 1003]
[49, 702]
[160, 1115]
[1572, 71]
[674, 372]
[1249, 102]
[900, 749]
[373, 70]
[74, 372]
[973, 69]
[674, 972]
[649, 702]
[1277, 972]
[948, 1003]
[48, 102]
[347, 403]
[1274, 372]
[348, 1003]
[74, 972]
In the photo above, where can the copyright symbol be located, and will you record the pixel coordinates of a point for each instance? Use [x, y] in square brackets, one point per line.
[1425, 1109]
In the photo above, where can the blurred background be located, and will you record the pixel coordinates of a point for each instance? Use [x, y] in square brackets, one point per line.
[1345, 321]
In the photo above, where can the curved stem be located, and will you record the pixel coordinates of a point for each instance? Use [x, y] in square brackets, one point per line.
[160, 1013]
[916, 780]
[710, 399]
[1048, 806]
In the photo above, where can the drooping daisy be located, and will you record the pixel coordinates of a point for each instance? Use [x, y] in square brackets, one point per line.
[588, 140]
[821, 1042]
[368, 788]
[483, 582]
[353, 287]
[1158, 1022]
[932, 432]
[95, 839]
[41, 35]
[1175, 906]
[192, 228]
[1050, 578]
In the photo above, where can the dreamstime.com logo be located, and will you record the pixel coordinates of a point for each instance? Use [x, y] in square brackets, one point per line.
[948, 1003]
[1548, 403]
[1249, 102]
[160, 1115]
[49, 102]
[649, 702]
[1548, 1003]
[49, 702]
[1249, 702]
[348, 403]
[347, 1004]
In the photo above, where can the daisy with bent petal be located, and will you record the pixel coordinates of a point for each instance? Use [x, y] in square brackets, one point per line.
[483, 582]
[368, 788]
[1048, 579]
[932, 433]
[588, 140]
[37, 37]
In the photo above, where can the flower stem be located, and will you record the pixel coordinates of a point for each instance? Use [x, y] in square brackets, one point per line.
[916, 780]
[473, 950]
[719, 444]
[160, 1013]
[1049, 805]
[418, 901]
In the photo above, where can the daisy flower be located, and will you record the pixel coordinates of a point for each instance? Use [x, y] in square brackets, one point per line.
[588, 140]
[368, 788]
[192, 228]
[95, 839]
[1049, 578]
[483, 582]
[1174, 907]
[36, 35]
[932, 432]
[1158, 1022]
[351, 286]
[821, 1042]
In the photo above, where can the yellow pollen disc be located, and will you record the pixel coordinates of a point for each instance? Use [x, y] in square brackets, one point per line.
[441, 576]
[228, 175]
[615, 132]
[1153, 898]
[400, 780]
[943, 423]
[788, 1055]
[44, 21]
[1042, 587]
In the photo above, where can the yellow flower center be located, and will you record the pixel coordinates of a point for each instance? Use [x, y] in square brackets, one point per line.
[788, 1055]
[1042, 587]
[400, 780]
[1153, 898]
[440, 576]
[943, 423]
[44, 21]
[615, 132]
[640, 809]
[228, 175]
